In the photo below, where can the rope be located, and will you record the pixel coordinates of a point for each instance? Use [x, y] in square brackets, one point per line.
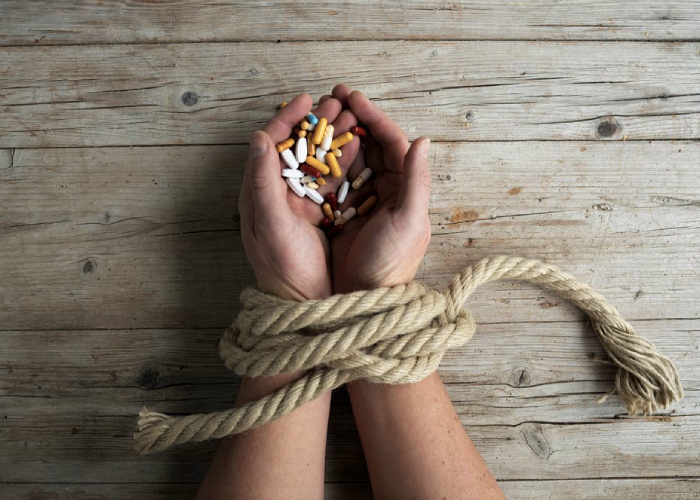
[393, 336]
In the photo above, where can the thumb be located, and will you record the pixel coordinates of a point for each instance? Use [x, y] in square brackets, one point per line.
[268, 190]
[414, 195]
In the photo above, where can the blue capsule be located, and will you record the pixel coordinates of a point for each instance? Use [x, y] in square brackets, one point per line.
[312, 119]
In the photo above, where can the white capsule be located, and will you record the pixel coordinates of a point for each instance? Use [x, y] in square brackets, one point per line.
[338, 153]
[337, 214]
[296, 187]
[321, 155]
[307, 178]
[289, 159]
[360, 179]
[311, 128]
[327, 138]
[314, 195]
[290, 172]
[343, 191]
[346, 216]
[300, 149]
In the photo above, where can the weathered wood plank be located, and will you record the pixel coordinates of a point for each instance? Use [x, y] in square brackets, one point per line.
[219, 93]
[56, 22]
[149, 237]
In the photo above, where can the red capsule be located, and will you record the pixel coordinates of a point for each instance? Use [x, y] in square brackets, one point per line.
[326, 224]
[332, 201]
[334, 231]
[358, 131]
[307, 169]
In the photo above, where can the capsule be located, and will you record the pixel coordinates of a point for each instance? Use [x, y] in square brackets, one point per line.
[313, 194]
[359, 131]
[290, 159]
[328, 138]
[304, 125]
[285, 145]
[326, 224]
[319, 131]
[311, 148]
[296, 187]
[311, 128]
[334, 231]
[292, 172]
[331, 200]
[343, 191]
[337, 213]
[320, 181]
[307, 178]
[302, 133]
[312, 185]
[308, 169]
[360, 179]
[338, 153]
[346, 216]
[311, 118]
[321, 155]
[367, 205]
[328, 211]
[283, 104]
[318, 165]
[341, 140]
[333, 165]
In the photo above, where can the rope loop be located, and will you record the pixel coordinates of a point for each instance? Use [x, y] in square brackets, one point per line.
[394, 335]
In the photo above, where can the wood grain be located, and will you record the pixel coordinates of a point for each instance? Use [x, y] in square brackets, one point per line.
[454, 91]
[57, 22]
[149, 237]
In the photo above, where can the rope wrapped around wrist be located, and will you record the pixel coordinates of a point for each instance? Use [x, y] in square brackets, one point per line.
[392, 335]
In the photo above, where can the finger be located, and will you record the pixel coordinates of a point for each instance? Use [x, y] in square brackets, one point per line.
[280, 126]
[414, 194]
[324, 98]
[341, 92]
[385, 131]
[328, 109]
[344, 122]
[267, 188]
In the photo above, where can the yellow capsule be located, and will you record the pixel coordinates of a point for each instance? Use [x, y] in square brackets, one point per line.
[338, 153]
[311, 148]
[332, 162]
[321, 181]
[328, 211]
[341, 140]
[302, 133]
[304, 125]
[285, 145]
[313, 162]
[318, 131]
[367, 205]
[283, 104]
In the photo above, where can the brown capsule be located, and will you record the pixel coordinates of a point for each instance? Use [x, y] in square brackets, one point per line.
[367, 205]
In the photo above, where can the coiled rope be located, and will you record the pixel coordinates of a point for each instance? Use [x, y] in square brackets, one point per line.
[394, 336]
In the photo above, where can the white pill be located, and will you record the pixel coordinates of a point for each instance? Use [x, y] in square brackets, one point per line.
[290, 159]
[300, 149]
[360, 179]
[296, 186]
[312, 185]
[321, 155]
[290, 172]
[337, 214]
[307, 178]
[327, 138]
[314, 195]
[343, 191]
[346, 216]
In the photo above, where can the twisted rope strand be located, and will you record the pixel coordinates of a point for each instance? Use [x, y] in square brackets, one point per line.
[393, 335]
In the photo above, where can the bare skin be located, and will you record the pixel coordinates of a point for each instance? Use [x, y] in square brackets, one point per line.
[414, 443]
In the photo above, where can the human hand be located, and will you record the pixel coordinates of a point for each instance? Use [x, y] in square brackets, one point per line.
[289, 253]
[385, 247]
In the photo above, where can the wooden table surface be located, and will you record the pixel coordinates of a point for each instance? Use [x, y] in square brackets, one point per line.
[563, 130]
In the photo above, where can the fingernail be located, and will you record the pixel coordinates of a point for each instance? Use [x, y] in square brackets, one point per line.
[258, 145]
[425, 148]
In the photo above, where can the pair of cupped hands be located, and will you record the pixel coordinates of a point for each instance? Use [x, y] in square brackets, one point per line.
[289, 252]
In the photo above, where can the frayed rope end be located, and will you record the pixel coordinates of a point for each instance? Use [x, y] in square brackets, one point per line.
[148, 428]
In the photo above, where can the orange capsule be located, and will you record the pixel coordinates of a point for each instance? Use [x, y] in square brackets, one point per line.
[302, 133]
[320, 181]
[319, 131]
[285, 145]
[333, 165]
[304, 125]
[367, 205]
[283, 104]
[311, 148]
[341, 140]
[328, 211]
[318, 165]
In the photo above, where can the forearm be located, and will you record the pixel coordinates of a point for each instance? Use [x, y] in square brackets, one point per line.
[415, 445]
[282, 459]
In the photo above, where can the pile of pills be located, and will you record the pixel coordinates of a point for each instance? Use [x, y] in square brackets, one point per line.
[314, 155]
